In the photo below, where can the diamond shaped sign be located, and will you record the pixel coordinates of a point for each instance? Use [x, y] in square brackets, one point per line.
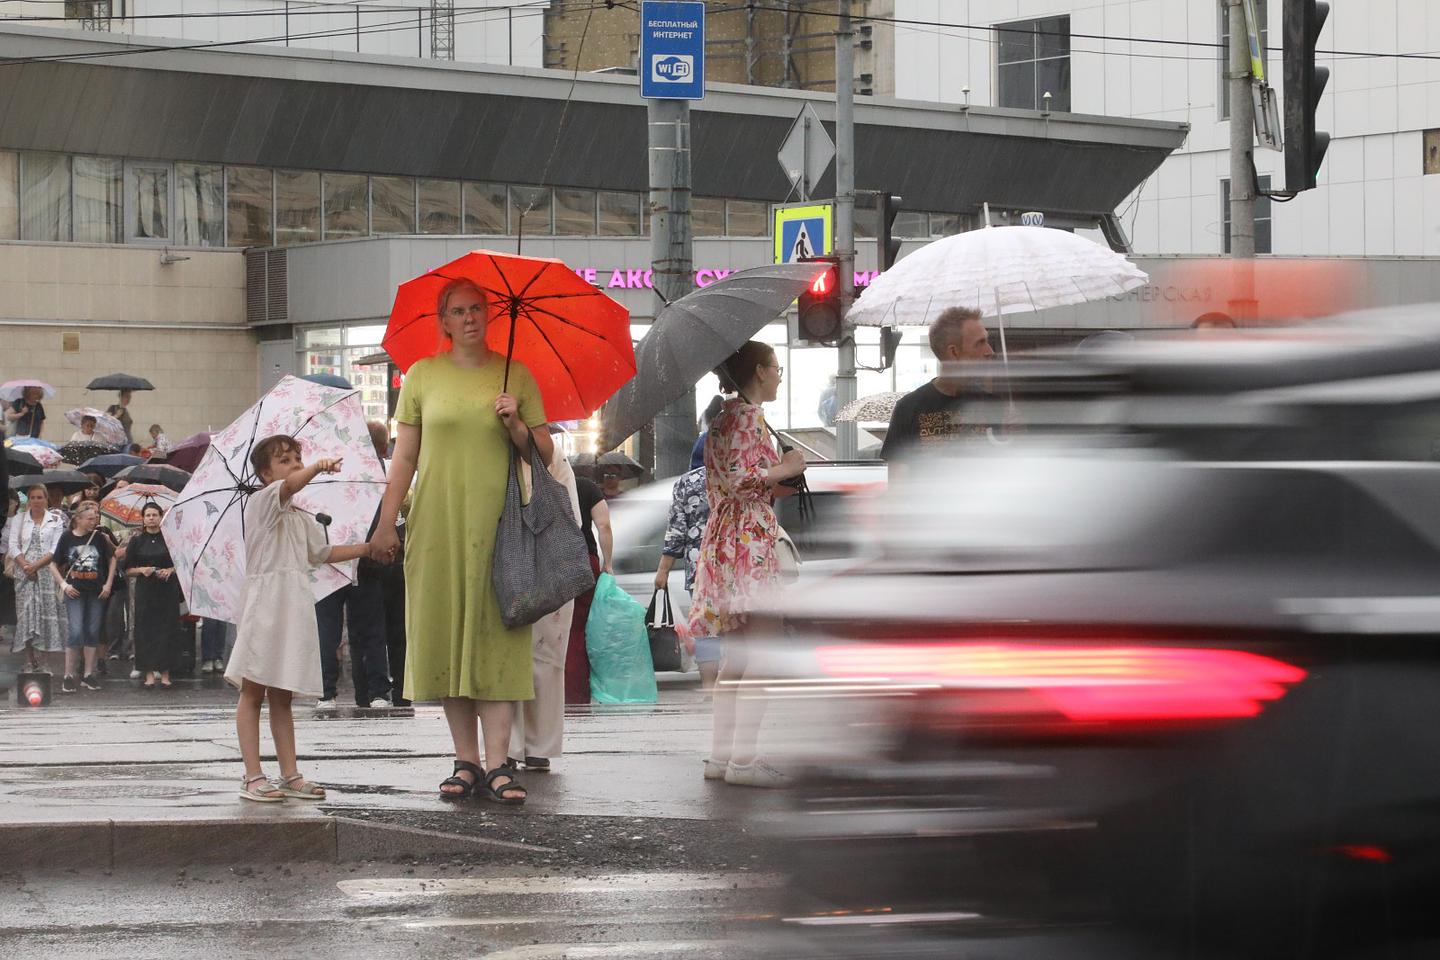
[807, 151]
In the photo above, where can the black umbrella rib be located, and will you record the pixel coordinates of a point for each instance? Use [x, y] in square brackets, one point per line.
[531, 282]
[552, 346]
[205, 493]
[565, 320]
[216, 529]
[311, 418]
[509, 290]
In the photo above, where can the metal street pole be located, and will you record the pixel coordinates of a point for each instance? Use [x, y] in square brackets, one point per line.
[671, 259]
[846, 444]
[1242, 136]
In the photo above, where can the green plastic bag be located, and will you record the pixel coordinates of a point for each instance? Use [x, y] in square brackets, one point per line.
[619, 647]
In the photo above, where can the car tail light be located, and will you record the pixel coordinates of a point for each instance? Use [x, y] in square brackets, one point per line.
[1079, 683]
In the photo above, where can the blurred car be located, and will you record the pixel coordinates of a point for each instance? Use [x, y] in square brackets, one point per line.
[825, 540]
[1165, 666]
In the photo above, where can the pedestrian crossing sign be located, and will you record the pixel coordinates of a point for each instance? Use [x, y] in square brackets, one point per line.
[803, 230]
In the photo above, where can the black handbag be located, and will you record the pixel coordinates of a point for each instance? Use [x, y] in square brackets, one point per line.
[540, 562]
[664, 638]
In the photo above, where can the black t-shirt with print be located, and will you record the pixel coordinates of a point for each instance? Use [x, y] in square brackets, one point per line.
[925, 418]
[84, 560]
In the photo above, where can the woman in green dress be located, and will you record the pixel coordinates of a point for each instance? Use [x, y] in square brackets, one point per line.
[457, 424]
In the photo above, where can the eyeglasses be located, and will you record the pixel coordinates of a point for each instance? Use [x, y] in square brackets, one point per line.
[777, 368]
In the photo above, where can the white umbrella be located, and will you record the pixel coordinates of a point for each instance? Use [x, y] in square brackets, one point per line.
[995, 270]
[876, 408]
[107, 428]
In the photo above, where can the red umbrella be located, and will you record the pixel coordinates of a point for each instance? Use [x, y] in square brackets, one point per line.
[573, 338]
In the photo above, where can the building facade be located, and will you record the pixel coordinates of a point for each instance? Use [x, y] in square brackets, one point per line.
[1379, 185]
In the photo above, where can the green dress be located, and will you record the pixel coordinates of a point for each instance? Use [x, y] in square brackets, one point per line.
[457, 645]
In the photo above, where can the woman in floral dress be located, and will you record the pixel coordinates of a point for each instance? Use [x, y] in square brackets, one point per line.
[738, 563]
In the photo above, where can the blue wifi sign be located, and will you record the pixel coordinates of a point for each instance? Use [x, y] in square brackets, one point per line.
[672, 50]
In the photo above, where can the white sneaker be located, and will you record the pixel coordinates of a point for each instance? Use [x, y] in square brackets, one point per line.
[379, 703]
[134, 674]
[714, 769]
[756, 774]
[208, 666]
[326, 704]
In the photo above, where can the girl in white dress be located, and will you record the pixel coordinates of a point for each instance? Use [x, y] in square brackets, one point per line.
[275, 656]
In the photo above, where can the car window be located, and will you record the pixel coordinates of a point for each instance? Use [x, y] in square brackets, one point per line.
[823, 535]
[639, 529]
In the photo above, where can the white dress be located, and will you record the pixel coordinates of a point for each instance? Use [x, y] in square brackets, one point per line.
[276, 639]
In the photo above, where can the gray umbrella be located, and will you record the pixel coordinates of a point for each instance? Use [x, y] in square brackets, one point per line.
[694, 335]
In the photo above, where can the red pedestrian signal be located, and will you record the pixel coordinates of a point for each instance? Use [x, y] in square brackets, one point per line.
[819, 307]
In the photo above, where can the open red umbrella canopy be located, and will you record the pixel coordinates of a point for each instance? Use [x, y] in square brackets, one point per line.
[573, 338]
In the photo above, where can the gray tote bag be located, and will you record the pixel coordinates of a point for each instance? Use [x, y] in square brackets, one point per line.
[541, 562]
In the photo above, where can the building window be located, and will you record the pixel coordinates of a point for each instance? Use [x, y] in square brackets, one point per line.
[1262, 217]
[346, 205]
[1224, 52]
[707, 216]
[199, 205]
[149, 202]
[747, 218]
[1430, 162]
[574, 213]
[619, 214]
[249, 206]
[297, 207]
[944, 224]
[1033, 60]
[485, 209]
[531, 208]
[9, 196]
[392, 205]
[99, 215]
[44, 196]
[912, 225]
[440, 207]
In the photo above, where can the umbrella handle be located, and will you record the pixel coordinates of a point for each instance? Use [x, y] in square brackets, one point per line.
[510, 347]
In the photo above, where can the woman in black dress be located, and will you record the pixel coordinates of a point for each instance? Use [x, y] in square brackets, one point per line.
[157, 600]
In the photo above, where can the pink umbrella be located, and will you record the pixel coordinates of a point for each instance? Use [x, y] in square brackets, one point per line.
[12, 389]
[188, 453]
[107, 428]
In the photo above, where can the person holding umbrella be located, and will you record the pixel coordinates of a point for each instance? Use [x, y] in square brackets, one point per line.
[738, 562]
[457, 422]
[121, 411]
[27, 413]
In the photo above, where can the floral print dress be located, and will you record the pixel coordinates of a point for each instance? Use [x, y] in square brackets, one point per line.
[737, 563]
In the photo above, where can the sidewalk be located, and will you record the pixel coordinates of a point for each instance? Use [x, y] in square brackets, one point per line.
[128, 777]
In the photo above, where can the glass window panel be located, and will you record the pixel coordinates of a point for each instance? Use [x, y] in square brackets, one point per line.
[322, 337]
[485, 210]
[944, 224]
[297, 207]
[707, 216]
[98, 207]
[912, 225]
[199, 205]
[574, 213]
[346, 205]
[45, 196]
[249, 206]
[619, 214]
[1053, 37]
[440, 207]
[149, 210]
[1017, 85]
[392, 205]
[1017, 42]
[866, 217]
[1054, 80]
[747, 218]
[530, 210]
[9, 196]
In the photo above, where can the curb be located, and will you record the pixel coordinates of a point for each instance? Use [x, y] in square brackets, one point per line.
[121, 844]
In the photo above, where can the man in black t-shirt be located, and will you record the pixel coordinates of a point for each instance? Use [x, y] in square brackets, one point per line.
[84, 567]
[930, 415]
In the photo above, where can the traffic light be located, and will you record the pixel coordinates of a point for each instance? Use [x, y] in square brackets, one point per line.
[1304, 83]
[887, 245]
[819, 305]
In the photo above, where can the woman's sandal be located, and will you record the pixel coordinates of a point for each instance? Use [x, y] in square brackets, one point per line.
[497, 794]
[291, 786]
[269, 793]
[467, 787]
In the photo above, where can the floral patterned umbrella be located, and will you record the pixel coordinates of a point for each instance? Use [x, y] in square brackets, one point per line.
[126, 504]
[205, 531]
[108, 430]
[876, 408]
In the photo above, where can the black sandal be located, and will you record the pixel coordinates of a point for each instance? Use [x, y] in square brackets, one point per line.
[492, 793]
[538, 764]
[467, 787]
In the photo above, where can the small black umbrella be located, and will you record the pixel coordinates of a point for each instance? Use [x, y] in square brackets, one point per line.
[18, 462]
[172, 477]
[694, 335]
[109, 464]
[70, 481]
[78, 451]
[590, 465]
[120, 381]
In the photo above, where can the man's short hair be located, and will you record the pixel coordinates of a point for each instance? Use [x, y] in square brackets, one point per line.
[949, 328]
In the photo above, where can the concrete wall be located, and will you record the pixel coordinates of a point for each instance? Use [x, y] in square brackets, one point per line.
[1374, 198]
[71, 312]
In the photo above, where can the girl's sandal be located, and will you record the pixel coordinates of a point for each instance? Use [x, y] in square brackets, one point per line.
[497, 794]
[299, 788]
[467, 787]
[266, 793]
